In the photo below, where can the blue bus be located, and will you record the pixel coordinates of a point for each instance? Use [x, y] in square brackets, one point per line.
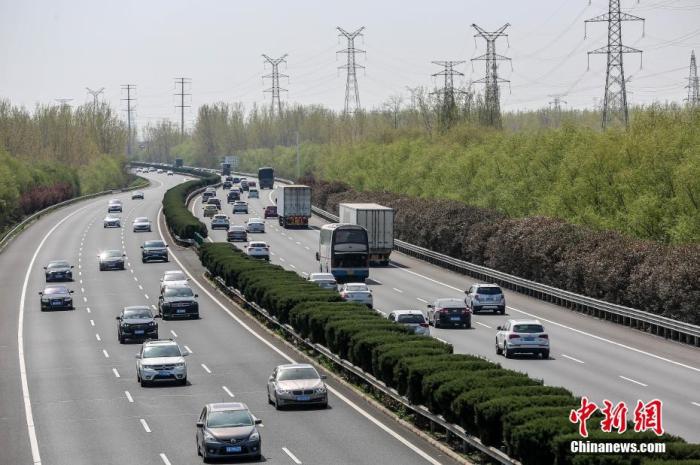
[343, 250]
[266, 177]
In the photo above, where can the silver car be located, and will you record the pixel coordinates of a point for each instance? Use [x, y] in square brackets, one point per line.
[485, 297]
[219, 221]
[255, 225]
[161, 360]
[412, 319]
[296, 384]
[324, 280]
[522, 336]
[357, 292]
[174, 277]
[228, 430]
[142, 224]
[112, 221]
[240, 206]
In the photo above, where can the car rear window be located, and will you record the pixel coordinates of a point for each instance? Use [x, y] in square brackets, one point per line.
[178, 292]
[490, 290]
[154, 244]
[58, 264]
[528, 328]
[411, 319]
[138, 313]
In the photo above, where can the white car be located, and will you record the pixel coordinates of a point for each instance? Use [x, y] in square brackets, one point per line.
[485, 297]
[159, 171]
[173, 277]
[255, 225]
[161, 360]
[112, 221]
[137, 195]
[114, 206]
[142, 224]
[324, 280]
[253, 193]
[357, 292]
[522, 336]
[412, 319]
[258, 249]
[170, 173]
[220, 221]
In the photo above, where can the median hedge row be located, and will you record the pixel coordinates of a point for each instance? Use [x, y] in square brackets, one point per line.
[504, 408]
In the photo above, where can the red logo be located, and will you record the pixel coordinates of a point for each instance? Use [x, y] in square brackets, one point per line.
[582, 415]
[615, 417]
[646, 416]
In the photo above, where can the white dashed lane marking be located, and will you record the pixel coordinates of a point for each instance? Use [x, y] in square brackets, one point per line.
[206, 368]
[106, 354]
[572, 358]
[482, 324]
[128, 396]
[227, 391]
[116, 373]
[171, 331]
[145, 425]
[291, 456]
[633, 381]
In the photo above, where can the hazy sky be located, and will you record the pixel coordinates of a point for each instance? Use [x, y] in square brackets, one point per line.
[54, 49]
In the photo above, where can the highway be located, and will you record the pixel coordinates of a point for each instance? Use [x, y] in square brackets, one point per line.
[69, 389]
[591, 357]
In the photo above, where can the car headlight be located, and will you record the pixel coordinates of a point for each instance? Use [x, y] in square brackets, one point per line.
[147, 367]
[254, 436]
[320, 390]
[180, 365]
[44, 299]
[152, 323]
[281, 391]
[68, 299]
[208, 436]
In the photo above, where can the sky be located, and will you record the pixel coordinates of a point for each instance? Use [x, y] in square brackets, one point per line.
[53, 49]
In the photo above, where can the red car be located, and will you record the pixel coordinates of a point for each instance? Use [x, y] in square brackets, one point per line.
[271, 211]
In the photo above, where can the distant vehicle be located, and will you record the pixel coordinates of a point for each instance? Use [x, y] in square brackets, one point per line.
[412, 319]
[324, 280]
[229, 179]
[240, 206]
[449, 312]
[178, 163]
[159, 361]
[178, 301]
[137, 195]
[159, 171]
[170, 173]
[522, 336]
[255, 225]
[136, 322]
[154, 250]
[253, 193]
[228, 430]
[58, 270]
[244, 184]
[296, 384]
[270, 211]
[236, 234]
[232, 196]
[258, 250]
[235, 180]
[111, 260]
[151, 170]
[173, 277]
[266, 176]
[293, 205]
[225, 169]
[114, 206]
[343, 251]
[112, 221]
[227, 184]
[214, 201]
[142, 223]
[357, 292]
[379, 223]
[485, 297]
[210, 210]
[56, 297]
[208, 193]
[219, 221]
[252, 185]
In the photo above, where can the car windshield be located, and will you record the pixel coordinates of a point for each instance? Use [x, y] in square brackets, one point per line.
[255, 221]
[489, 290]
[528, 328]
[58, 264]
[178, 292]
[288, 374]
[258, 244]
[111, 254]
[142, 219]
[55, 290]
[170, 350]
[229, 419]
[138, 313]
[356, 287]
[175, 277]
[150, 244]
[411, 318]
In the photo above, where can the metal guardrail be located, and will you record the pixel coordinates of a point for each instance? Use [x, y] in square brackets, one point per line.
[453, 432]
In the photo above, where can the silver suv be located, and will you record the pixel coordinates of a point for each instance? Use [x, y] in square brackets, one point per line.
[161, 360]
[485, 297]
[522, 336]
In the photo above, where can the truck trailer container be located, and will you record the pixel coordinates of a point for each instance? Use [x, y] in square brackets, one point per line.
[378, 220]
[293, 205]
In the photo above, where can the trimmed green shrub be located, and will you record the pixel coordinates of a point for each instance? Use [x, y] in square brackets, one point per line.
[514, 419]
[386, 356]
[531, 442]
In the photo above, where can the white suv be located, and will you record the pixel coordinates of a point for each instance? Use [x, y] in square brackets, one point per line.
[522, 336]
[161, 360]
[485, 297]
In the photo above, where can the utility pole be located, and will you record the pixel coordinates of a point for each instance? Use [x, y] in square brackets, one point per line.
[95, 96]
[448, 107]
[492, 100]
[615, 98]
[352, 92]
[693, 83]
[181, 81]
[298, 158]
[129, 88]
[275, 76]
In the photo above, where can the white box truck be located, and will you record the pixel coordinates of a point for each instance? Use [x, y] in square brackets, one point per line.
[293, 205]
[379, 223]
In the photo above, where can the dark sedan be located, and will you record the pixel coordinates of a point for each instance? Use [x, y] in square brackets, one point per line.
[111, 260]
[136, 322]
[178, 301]
[154, 250]
[228, 430]
[58, 270]
[56, 297]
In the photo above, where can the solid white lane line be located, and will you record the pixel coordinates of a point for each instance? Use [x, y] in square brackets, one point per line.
[105, 353]
[291, 456]
[572, 358]
[397, 290]
[421, 300]
[482, 324]
[128, 397]
[696, 404]
[633, 381]
[145, 425]
[173, 333]
[92, 322]
[116, 373]
[227, 391]
[334, 391]
[97, 336]
[206, 368]
[188, 349]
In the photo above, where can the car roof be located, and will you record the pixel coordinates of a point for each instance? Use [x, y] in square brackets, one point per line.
[221, 215]
[449, 302]
[137, 307]
[141, 218]
[525, 322]
[236, 227]
[224, 406]
[58, 261]
[257, 242]
[161, 342]
[322, 276]
[209, 206]
[288, 366]
[356, 284]
[177, 284]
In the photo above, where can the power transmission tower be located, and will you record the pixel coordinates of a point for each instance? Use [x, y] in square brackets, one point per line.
[95, 95]
[492, 101]
[693, 83]
[615, 98]
[181, 82]
[448, 108]
[351, 89]
[275, 89]
[129, 88]
[556, 103]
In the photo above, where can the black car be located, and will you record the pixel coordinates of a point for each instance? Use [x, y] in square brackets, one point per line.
[229, 179]
[178, 301]
[136, 322]
[154, 251]
[236, 180]
[111, 260]
[228, 430]
[227, 185]
[56, 297]
[232, 196]
[58, 270]
[449, 312]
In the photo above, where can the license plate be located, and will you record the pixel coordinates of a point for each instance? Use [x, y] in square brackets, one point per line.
[303, 398]
[455, 318]
[180, 310]
[138, 331]
[164, 373]
[529, 339]
[231, 449]
[56, 302]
